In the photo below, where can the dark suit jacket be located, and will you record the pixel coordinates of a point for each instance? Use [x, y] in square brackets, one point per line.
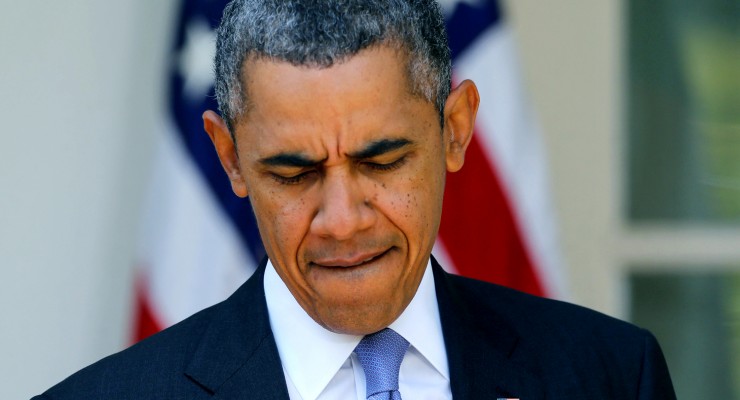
[500, 343]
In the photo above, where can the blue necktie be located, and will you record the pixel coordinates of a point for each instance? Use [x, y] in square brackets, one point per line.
[380, 354]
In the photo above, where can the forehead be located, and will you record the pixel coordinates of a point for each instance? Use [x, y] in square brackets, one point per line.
[380, 65]
[372, 83]
[327, 112]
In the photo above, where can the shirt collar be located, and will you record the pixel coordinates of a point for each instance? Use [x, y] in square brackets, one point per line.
[421, 326]
[312, 355]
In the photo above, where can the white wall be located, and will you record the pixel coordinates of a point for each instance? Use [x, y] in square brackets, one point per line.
[571, 52]
[80, 91]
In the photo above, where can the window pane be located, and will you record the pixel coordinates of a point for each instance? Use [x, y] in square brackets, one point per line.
[696, 318]
[684, 110]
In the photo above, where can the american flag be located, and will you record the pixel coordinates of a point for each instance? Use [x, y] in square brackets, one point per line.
[199, 241]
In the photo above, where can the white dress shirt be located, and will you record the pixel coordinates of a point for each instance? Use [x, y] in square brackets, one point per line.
[321, 365]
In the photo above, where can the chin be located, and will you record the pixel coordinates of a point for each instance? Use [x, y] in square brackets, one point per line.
[358, 319]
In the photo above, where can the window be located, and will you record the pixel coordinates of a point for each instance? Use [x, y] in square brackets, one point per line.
[682, 194]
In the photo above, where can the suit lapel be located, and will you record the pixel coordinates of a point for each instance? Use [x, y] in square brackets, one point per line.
[479, 346]
[237, 357]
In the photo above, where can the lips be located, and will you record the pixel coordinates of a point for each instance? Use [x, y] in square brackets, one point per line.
[348, 262]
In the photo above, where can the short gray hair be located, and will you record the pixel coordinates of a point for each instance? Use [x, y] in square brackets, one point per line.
[320, 33]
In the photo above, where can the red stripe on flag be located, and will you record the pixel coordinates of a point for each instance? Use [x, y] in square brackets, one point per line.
[145, 323]
[479, 230]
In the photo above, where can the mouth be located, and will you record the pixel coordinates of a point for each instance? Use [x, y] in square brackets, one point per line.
[350, 262]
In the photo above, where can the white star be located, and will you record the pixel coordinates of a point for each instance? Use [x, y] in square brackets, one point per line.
[448, 6]
[196, 59]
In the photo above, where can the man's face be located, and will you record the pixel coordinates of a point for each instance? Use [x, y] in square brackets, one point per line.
[345, 170]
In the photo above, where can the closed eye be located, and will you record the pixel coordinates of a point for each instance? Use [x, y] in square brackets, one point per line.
[291, 180]
[383, 167]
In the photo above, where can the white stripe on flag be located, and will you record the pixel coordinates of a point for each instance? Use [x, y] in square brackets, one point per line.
[190, 252]
[511, 137]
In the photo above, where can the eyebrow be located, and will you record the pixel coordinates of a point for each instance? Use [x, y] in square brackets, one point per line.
[299, 160]
[289, 160]
[380, 147]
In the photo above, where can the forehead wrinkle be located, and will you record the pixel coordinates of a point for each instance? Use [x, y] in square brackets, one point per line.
[336, 134]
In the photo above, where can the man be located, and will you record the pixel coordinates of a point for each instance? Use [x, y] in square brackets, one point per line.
[339, 123]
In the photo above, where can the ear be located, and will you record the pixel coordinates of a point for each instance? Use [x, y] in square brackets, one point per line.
[459, 114]
[226, 149]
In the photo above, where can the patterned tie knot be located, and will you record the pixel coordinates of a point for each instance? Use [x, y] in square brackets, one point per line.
[380, 355]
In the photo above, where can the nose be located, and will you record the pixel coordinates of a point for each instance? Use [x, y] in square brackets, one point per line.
[344, 209]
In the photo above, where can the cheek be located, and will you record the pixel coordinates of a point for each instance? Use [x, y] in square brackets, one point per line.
[412, 202]
[283, 221]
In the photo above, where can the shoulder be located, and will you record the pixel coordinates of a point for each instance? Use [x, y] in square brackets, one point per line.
[525, 312]
[161, 366]
[571, 348]
[147, 369]
[531, 315]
